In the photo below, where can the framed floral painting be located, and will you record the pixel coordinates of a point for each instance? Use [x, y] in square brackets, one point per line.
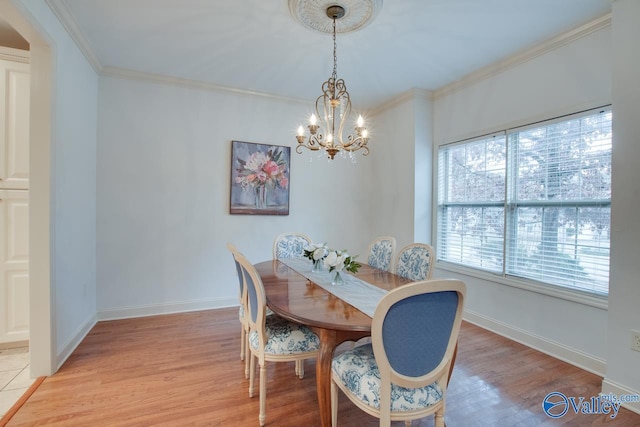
[259, 179]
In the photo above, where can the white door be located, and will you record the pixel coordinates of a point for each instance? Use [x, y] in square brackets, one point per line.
[14, 120]
[14, 265]
[14, 199]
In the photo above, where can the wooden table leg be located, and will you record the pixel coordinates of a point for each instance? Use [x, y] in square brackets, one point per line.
[323, 374]
[329, 340]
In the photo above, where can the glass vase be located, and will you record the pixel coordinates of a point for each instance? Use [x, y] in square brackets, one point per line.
[317, 266]
[337, 278]
[261, 197]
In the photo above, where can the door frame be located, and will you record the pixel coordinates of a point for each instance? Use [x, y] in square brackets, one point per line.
[42, 316]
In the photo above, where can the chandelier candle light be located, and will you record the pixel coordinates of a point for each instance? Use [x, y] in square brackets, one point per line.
[333, 108]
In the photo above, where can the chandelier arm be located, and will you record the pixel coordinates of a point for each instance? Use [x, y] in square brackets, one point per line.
[356, 143]
[364, 148]
[314, 143]
[341, 88]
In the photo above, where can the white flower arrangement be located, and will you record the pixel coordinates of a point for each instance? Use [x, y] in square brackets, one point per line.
[339, 260]
[316, 251]
[333, 259]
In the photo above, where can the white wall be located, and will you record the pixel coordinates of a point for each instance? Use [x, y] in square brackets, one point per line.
[73, 114]
[423, 167]
[399, 189]
[75, 143]
[623, 364]
[163, 221]
[568, 79]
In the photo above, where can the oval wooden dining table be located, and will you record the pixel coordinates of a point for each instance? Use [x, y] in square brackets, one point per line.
[294, 297]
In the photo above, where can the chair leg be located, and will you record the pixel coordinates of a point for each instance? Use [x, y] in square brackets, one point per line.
[243, 342]
[334, 404]
[248, 351]
[439, 419]
[251, 373]
[300, 368]
[263, 394]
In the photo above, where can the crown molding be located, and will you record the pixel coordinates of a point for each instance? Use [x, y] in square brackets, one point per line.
[407, 96]
[66, 18]
[525, 55]
[123, 73]
[15, 55]
[68, 21]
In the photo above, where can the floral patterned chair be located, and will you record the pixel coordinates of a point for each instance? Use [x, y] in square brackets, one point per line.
[381, 252]
[415, 261]
[272, 338]
[290, 245]
[404, 372]
[242, 312]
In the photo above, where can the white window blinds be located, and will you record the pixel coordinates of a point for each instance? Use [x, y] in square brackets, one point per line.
[532, 202]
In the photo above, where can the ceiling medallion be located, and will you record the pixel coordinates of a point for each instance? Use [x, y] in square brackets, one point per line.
[313, 14]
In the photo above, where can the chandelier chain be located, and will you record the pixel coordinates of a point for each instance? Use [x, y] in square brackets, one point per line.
[335, 55]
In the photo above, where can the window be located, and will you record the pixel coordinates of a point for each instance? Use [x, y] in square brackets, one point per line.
[532, 202]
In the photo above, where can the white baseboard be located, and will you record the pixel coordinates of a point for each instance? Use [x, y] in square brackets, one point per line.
[70, 345]
[567, 354]
[14, 344]
[609, 386]
[170, 308]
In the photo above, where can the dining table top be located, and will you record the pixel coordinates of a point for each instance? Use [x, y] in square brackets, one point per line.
[294, 297]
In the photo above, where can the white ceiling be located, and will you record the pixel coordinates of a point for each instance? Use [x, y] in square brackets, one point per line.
[257, 45]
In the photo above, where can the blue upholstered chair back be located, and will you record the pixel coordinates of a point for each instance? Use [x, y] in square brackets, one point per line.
[252, 295]
[290, 245]
[234, 253]
[416, 331]
[240, 275]
[381, 252]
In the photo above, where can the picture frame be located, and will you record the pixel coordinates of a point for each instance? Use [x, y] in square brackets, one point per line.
[260, 179]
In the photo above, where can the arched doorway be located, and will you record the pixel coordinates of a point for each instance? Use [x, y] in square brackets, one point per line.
[42, 339]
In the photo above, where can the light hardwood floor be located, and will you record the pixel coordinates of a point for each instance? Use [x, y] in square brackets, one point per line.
[184, 370]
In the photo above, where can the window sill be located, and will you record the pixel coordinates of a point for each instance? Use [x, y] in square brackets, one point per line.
[572, 295]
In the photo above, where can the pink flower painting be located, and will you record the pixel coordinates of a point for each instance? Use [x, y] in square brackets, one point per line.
[259, 179]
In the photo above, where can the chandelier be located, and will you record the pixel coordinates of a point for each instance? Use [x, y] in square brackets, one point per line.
[332, 111]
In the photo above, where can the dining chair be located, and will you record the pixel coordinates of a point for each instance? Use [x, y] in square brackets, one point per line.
[290, 245]
[272, 338]
[415, 261]
[242, 312]
[381, 252]
[403, 374]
